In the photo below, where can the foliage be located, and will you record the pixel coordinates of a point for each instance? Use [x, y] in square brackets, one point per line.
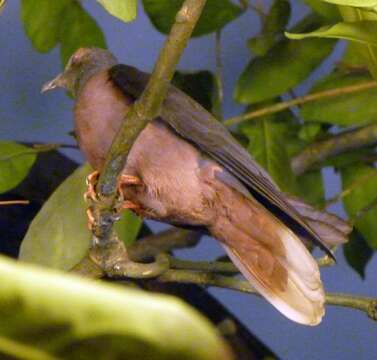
[58, 237]
[16, 161]
[216, 14]
[49, 315]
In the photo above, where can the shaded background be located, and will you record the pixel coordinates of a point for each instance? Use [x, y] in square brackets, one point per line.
[26, 115]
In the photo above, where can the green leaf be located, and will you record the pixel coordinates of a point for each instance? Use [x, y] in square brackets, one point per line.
[273, 140]
[48, 315]
[216, 14]
[124, 10]
[360, 31]
[327, 11]
[349, 109]
[273, 25]
[368, 52]
[200, 85]
[357, 253]
[15, 162]
[282, 68]
[128, 227]
[352, 56]
[277, 18]
[309, 131]
[58, 236]
[356, 3]
[267, 139]
[360, 196]
[41, 21]
[78, 29]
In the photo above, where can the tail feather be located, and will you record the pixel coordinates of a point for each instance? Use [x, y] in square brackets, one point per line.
[271, 257]
[331, 229]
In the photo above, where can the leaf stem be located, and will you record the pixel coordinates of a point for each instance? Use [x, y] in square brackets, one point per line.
[300, 100]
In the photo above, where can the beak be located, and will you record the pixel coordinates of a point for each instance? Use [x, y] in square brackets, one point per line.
[59, 81]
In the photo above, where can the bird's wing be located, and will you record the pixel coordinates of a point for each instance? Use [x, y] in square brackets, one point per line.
[195, 124]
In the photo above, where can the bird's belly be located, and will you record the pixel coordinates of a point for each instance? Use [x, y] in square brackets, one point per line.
[169, 169]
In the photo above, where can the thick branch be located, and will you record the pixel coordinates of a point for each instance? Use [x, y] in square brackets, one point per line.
[319, 151]
[148, 106]
[300, 100]
[144, 109]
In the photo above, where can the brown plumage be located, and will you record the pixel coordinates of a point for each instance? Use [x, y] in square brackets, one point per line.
[194, 173]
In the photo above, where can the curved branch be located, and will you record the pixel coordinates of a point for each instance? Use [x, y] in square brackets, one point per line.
[346, 141]
[146, 108]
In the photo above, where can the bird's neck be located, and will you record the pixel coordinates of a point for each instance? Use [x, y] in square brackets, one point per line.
[87, 72]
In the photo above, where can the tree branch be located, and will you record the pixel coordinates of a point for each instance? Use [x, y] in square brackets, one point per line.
[365, 304]
[146, 108]
[301, 100]
[346, 141]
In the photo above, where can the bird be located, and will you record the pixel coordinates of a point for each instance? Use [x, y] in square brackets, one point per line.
[186, 169]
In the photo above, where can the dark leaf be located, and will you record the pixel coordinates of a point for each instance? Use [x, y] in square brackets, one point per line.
[273, 25]
[200, 85]
[357, 253]
[362, 180]
[216, 14]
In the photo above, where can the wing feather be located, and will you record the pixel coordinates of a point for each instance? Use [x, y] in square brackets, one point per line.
[195, 124]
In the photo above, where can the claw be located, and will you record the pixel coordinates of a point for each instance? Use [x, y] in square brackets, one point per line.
[91, 219]
[129, 180]
[122, 204]
[91, 181]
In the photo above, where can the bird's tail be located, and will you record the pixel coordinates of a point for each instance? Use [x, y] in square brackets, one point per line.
[271, 257]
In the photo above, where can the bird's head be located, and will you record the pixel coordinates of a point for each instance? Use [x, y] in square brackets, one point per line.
[81, 65]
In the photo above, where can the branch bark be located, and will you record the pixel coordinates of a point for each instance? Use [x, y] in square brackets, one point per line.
[335, 145]
[146, 108]
[299, 101]
[205, 278]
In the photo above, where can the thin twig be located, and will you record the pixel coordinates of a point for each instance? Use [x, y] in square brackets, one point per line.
[301, 100]
[14, 202]
[343, 142]
[365, 304]
[164, 241]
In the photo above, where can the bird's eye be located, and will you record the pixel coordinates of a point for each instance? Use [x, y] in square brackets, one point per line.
[75, 59]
